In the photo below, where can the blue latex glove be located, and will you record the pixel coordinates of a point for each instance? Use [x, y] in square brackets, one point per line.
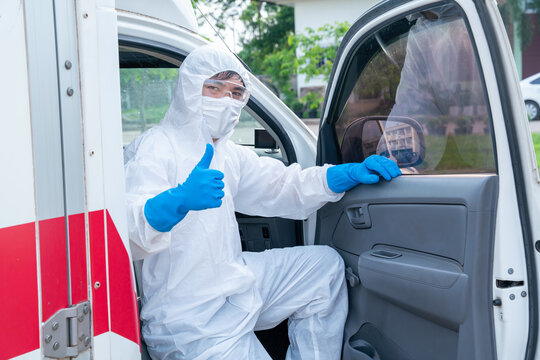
[343, 177]
[203, 189]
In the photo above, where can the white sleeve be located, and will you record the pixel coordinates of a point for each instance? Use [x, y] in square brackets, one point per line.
[147, 174]
[269, 188]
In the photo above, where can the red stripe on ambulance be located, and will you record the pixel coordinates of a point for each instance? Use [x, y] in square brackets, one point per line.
[124, 318]
[19, 312]
[77, 258]
[99, 272]
[19, 279]
[53, 260]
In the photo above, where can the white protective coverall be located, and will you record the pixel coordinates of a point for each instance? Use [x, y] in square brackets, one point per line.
[203, 297]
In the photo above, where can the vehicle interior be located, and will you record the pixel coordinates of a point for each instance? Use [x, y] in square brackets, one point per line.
[148, 75]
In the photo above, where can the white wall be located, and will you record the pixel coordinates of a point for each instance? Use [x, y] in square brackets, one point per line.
[316, 13]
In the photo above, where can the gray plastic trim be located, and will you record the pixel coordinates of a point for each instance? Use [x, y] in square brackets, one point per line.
[439, 229]
[259, 234]
[427, 285]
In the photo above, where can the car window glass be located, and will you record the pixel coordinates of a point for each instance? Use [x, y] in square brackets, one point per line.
[536, 81]
[244, 134]
[417, 96]
[146, 95]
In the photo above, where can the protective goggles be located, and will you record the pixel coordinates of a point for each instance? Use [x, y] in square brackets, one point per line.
[221, 88]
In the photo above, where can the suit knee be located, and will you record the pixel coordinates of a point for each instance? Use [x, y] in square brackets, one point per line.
[331, 260]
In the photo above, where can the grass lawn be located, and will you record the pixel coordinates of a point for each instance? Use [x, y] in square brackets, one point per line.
[536, 141]
[152, 115]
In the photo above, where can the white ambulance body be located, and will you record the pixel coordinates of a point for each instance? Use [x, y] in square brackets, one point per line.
[63, 229]
[67, 285]
[63, 232]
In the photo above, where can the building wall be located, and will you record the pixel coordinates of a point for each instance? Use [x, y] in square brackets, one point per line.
[316, 13]
[531, 54]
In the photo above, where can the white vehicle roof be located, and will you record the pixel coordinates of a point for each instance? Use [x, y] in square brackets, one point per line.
[178, 12]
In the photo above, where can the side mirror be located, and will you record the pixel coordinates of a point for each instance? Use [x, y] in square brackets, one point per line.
[399, 138]
[263, 140]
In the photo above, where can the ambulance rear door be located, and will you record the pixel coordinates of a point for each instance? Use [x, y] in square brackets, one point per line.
[66, 279]
[44, 275]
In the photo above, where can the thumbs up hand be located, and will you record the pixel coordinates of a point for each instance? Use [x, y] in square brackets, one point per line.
[203, 189]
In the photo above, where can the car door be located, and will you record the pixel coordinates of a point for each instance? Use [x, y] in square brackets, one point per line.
[440, 262]
[44, 262]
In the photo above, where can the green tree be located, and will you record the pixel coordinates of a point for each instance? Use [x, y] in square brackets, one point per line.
[265, 46]
[311, 53]
[265, 42]
[317, 50]
[267, 28]
[270, 46]
[516, 20]
[222, 10]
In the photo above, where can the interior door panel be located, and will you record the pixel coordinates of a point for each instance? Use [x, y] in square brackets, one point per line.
[396, 225]
[426, 285]
[423, 264]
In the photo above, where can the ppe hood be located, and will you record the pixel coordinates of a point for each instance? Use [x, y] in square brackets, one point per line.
[185, 110]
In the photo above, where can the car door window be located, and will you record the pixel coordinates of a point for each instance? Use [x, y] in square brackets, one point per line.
[146, 95]
[416, 94]
[244, 134]
[147, 83]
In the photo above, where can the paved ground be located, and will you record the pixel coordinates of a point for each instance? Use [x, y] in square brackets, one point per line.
[535, 126]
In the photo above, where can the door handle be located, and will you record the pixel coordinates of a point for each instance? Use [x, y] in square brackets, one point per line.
[359, 216]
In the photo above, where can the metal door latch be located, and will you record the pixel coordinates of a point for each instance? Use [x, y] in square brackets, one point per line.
[67, 332]
[351, 277]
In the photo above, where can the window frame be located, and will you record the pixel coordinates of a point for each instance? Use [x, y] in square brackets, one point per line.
[328, 151]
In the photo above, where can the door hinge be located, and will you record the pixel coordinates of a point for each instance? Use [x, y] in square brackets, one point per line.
[67, 332]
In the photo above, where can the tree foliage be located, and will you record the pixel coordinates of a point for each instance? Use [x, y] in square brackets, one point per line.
[267, 28]
[515, 18]
[318, 48]
[316, 51]
[274, 52]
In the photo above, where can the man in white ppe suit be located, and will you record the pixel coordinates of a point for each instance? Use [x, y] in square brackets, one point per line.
[204, 297]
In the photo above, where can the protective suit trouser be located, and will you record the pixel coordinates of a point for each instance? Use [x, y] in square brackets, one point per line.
[307, 285]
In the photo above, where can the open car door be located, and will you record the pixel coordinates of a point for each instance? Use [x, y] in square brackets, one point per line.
[440, 261]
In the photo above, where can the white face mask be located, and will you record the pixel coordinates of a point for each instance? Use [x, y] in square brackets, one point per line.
[221, 114]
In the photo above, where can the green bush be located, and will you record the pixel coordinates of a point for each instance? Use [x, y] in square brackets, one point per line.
[536, 142]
